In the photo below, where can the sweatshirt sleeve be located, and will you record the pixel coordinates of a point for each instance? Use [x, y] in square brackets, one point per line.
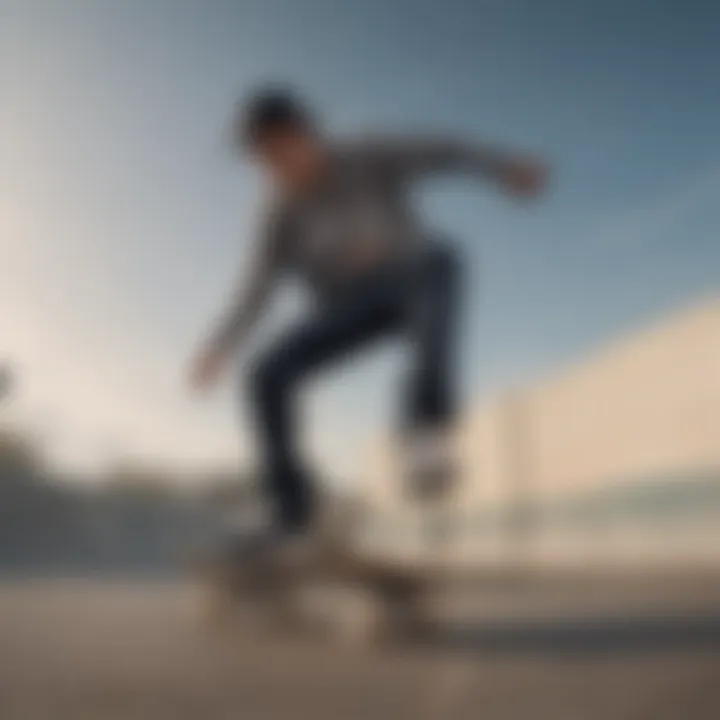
[412, 158]
[257, 281]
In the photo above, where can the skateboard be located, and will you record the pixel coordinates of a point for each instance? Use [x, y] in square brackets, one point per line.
[344, 592]
[341, 595]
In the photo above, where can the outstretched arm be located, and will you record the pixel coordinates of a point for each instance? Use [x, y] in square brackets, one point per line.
[415, 157]
[248, 301]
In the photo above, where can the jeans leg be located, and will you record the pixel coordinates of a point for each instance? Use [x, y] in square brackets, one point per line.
[433, 314]
[286, 480]
[336, 330]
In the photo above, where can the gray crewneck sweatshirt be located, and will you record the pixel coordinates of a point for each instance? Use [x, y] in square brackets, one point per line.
[356, 217]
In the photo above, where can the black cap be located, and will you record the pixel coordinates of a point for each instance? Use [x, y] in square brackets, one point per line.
[270, 110]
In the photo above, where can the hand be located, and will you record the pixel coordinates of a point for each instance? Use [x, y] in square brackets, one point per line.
[206, 368]
[524, 178]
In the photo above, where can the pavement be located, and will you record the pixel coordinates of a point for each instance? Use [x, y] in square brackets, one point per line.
[123, 650]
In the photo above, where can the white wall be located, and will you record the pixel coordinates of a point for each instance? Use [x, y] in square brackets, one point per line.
[647, 406]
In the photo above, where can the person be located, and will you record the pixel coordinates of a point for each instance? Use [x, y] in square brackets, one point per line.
[340, 218]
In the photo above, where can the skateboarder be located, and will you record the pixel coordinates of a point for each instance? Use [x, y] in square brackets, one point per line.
[340, 219]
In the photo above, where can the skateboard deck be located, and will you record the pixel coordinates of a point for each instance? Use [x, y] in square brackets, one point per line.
[341, 593]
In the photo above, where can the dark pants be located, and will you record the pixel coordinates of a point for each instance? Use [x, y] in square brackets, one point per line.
[416, 298]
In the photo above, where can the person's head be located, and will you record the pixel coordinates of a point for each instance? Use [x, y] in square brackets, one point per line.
[277, 129]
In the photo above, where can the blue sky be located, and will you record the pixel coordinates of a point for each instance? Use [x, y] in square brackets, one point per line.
[124, 219]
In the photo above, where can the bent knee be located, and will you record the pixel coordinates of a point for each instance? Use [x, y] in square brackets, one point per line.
[442, 261]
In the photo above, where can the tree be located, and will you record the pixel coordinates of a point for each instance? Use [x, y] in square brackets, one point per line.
[19, 457]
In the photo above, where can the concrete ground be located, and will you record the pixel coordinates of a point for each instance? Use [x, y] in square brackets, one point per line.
[72, 650]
